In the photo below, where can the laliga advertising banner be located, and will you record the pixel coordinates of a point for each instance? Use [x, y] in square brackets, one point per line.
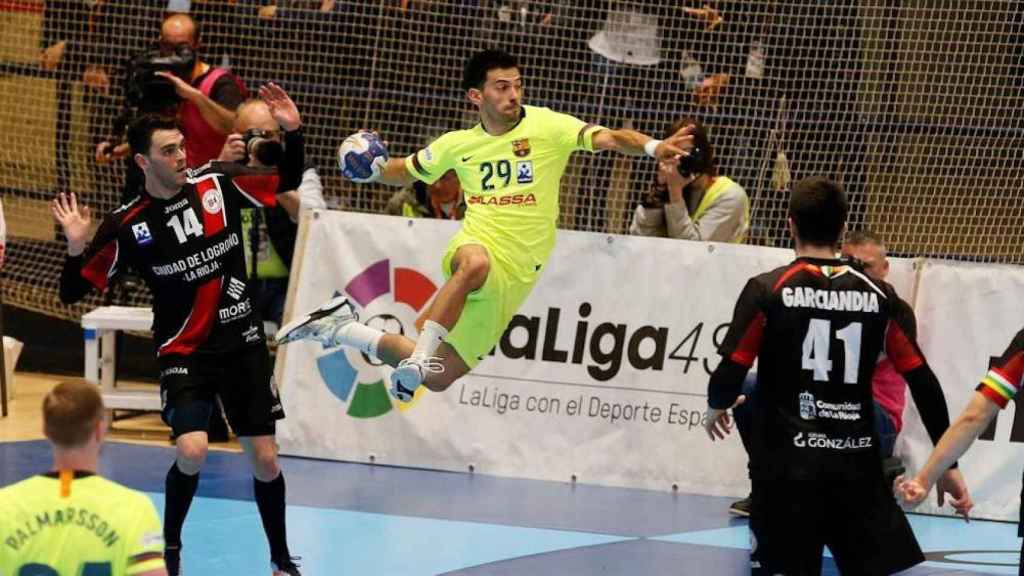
[967, 314]
[602, 376]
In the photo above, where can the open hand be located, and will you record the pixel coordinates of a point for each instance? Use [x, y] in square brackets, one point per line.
[676, 145]
[281, 106]
[76, 221]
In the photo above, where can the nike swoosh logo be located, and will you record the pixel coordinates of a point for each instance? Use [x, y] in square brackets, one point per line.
[466, 158]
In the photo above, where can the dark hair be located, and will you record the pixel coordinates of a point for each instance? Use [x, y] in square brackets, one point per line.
[70, 413]
[140, 132]
[818, 207]
[475, 73]
[862, 237]
[702, 158]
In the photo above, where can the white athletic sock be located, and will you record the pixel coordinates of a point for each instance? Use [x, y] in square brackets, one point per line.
[430, 338]
[359, 336]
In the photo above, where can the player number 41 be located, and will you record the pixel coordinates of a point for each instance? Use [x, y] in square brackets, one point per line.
[817, 344]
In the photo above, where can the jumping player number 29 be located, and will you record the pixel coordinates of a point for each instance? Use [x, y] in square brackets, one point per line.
[504, 170]
[816, 349]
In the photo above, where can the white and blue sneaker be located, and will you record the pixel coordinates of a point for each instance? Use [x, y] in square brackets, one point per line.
[410, 373]
[320, 325]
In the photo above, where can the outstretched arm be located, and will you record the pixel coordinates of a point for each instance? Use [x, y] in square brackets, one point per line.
[222, 119]
[633, 143]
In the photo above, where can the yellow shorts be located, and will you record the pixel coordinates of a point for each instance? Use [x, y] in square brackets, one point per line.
[489, 309]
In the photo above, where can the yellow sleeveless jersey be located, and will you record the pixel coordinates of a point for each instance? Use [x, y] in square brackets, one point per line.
[510, 182]
[83, 525]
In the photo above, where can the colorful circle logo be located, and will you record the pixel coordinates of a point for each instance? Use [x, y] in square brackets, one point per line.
[353, 377]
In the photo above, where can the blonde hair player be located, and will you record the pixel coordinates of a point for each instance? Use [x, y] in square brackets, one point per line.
[70, 520]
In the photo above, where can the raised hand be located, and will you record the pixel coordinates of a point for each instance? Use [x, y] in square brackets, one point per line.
[76, 221]
[676, 145]
[281, 106]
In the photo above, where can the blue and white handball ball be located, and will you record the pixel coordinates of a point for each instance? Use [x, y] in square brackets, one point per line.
[361, 157]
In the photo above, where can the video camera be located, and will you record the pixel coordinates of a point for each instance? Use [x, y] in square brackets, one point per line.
[148, 92]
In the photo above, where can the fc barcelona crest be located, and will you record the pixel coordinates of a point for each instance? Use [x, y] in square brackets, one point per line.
[521, 148]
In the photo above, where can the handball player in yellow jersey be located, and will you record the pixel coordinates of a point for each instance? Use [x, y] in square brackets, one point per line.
[71, 520]
[510, 166]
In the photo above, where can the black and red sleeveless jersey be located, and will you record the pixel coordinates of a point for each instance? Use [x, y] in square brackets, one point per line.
[818, 328]
[189, 251]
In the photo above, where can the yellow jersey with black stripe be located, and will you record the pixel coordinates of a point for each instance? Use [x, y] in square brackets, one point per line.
[510, 182]
[77, 524]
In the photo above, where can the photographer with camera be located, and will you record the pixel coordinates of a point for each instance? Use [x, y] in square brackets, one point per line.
[268, 233]
[690, 201]
[173, 80]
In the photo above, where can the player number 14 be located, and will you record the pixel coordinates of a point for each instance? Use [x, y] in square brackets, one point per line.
[816, 349]
[190, 227]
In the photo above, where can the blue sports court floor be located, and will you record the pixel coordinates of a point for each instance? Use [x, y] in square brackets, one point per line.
[371, 520]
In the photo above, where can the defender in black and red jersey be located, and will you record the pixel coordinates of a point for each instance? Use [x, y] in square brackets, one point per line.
[1001, 384]
[184, 238]
[818, 327]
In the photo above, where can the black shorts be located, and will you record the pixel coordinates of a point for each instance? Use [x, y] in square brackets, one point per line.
[242, 381]
[855, 515]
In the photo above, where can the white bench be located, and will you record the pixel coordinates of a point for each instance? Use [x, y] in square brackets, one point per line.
[100, 331]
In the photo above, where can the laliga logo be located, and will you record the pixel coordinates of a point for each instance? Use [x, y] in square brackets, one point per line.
[389, 299]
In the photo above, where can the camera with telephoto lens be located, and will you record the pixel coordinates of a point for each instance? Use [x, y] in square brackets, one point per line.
[261, 145]
[696, 162]
[151, 93]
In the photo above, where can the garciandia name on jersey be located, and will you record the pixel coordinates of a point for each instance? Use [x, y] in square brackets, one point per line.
[838, 300]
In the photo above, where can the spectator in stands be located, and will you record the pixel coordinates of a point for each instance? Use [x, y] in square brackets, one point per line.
[887, 386]
[79, 38]
[89, 42]
[442, 199]
[208, 99]
[268, 233]
[124, 534]
[689, 200]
